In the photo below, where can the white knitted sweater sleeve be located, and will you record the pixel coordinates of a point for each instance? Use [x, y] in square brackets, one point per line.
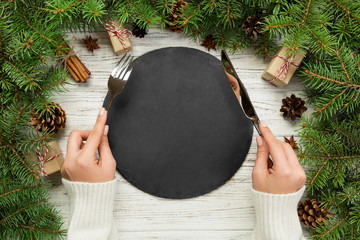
[276, 216]
[91, 209]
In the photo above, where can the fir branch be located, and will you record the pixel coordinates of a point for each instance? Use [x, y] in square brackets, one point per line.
[281, 26]
[62, 82]
[2, 221]
[320, 110]
[347, 11]
[317, 174]
[32, 172]
[32, 28]
[331, 80]
[138, 11]
[328, 157]
[334, 227]
[337, 205]
[246, 6]
[19, 189]
[219, 30]
[321, 146]
[30, 79]
[15, 125]
[342, 65]
[43, 215]
[193, 13]
[41, 229]
[346, 136]
[316, 37]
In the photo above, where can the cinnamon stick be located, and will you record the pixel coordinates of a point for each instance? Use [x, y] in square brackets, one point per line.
[75, 77]
[79, 67]
[76, 71]
[87, 70]
[75, 67]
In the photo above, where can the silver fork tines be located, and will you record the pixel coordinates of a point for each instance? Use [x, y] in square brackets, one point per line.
[118, 77]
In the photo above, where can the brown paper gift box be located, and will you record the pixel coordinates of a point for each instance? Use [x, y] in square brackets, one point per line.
[117, 46]
[272, 70]
[53, 165]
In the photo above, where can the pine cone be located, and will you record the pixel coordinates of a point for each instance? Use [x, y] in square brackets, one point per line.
[293, 107]
[138, 31]
[311, 214]
[51, 122]
[252, 26]
[209, 43]
[177, 9]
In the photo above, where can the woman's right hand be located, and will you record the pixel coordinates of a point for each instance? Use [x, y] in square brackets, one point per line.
[285, 175]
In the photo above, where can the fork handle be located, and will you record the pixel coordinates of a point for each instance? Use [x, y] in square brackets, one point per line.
[109, 102]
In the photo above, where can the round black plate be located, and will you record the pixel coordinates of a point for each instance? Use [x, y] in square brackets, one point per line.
[177, 130]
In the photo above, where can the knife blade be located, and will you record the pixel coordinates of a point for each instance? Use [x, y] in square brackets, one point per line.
[245, 101]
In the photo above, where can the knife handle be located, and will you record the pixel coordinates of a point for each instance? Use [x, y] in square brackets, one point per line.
[257, 127]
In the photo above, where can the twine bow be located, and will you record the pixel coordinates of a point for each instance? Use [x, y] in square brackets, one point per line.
[66, 54]
[283, 70]
[122, 34]
[42, 161]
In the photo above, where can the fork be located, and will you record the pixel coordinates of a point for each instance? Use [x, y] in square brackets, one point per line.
[119, 76]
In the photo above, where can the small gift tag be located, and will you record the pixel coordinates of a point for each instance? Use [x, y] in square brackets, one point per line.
[282, 67]
[120, 37]
[49, 160]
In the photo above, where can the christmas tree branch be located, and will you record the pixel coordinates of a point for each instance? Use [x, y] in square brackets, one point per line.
[30, 79]
[317, 173]
[281, 26]
[139, 12]
[347, 11]
[337, 205]
[15, 125]
[316, 37]
[40, 8]
[334, 227]
[32, 28]
[321, 146]
[328, 157]
[331, 80]
[320, 110]
[43, 215]
[342, 65]
[191, 15]
[351, 100]
[41, 229]
[62, 82]
[219, 29]
[247, 7]
[346, 136]
[351, 194]
[2, 221]
[20, 189]
[32, 172]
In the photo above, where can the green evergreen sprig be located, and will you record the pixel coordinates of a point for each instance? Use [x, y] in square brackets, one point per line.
[331, 152]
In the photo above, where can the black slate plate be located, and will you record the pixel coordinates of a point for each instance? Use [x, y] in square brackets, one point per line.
[177, 130]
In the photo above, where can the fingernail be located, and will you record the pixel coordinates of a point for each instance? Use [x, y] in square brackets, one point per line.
[259, 141]
[263, 124]
[106, 130]
[102, 110]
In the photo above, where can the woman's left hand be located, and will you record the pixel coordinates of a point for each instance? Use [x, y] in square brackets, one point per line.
[81, 164]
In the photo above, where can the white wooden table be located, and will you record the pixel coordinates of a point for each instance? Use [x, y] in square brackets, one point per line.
[226, 213]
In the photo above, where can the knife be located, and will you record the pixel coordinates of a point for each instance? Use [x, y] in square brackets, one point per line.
[245, 101]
